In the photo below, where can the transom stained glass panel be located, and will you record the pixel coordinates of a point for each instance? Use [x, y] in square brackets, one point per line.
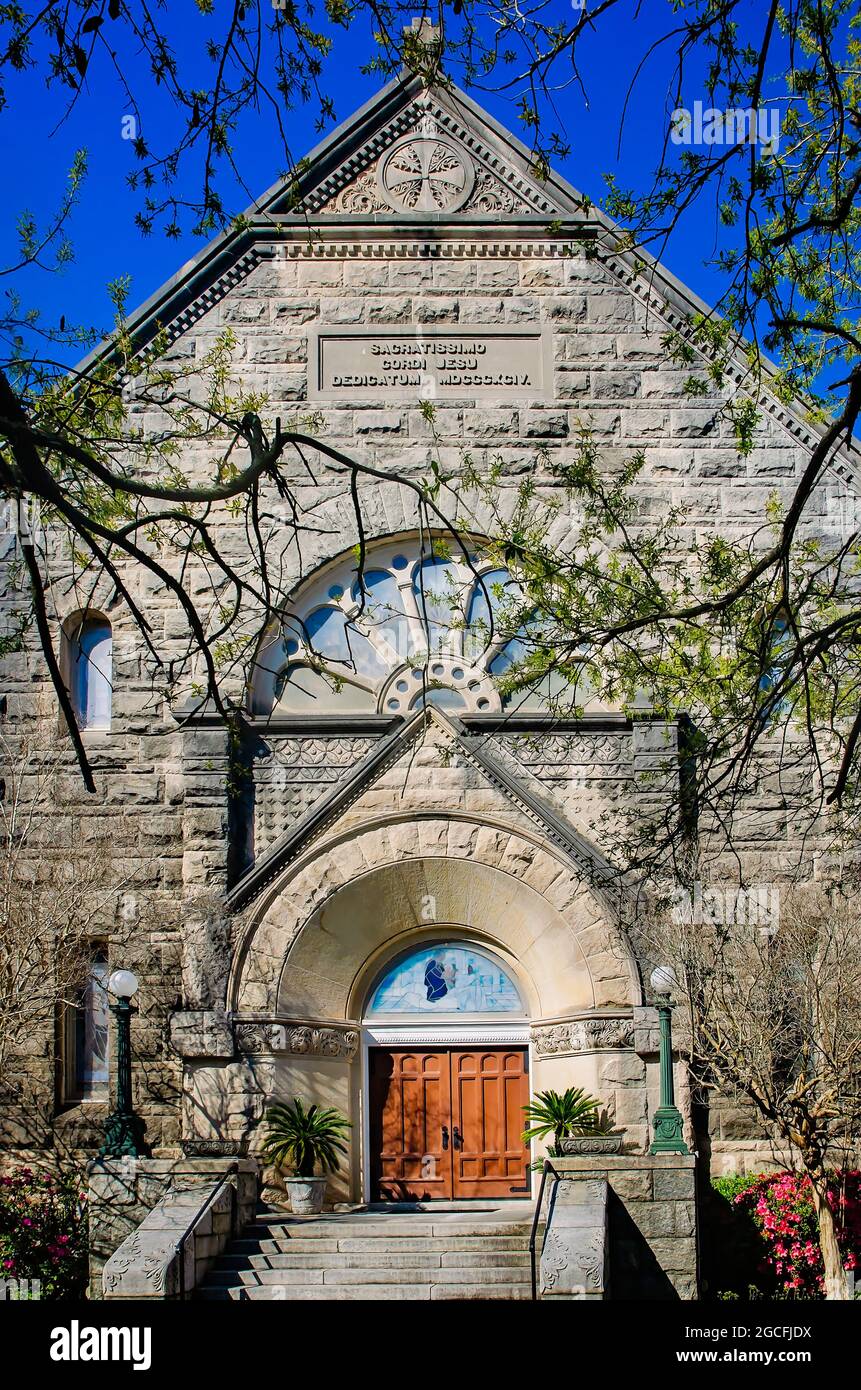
[445, 979]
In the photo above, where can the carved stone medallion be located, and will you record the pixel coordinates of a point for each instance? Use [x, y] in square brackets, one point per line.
[425, 173]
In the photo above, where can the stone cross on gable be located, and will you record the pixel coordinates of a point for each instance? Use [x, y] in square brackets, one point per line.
[422, 48]
[422, 30]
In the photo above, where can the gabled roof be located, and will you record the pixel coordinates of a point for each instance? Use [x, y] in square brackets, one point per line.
[297, 208]
[339, 193]
[518, 788]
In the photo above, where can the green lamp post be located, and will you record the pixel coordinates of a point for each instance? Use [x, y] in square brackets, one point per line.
[668, 1118]
[124, 1130]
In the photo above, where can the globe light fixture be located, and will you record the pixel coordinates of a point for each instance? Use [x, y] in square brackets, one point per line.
[123, 984]
[668, 1123]
[124, 1130]
[663, 979]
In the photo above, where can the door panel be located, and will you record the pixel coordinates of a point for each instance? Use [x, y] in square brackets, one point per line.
[489, 1088]
[474, 1097]
[410, 1107]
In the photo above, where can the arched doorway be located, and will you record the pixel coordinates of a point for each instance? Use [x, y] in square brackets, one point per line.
[446, 1059]
[330, 925]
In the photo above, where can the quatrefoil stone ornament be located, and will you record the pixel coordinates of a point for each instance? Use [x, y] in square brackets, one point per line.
[426, 174]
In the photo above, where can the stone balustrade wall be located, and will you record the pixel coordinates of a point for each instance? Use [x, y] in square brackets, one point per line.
[651, 1228]
[140, 1208]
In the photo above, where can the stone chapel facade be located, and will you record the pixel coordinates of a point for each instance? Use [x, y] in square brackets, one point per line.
[411, 873]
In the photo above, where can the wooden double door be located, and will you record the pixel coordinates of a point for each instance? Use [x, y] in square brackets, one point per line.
[447, 1123]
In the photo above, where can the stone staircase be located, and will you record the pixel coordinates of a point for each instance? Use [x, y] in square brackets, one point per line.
[427, 1254]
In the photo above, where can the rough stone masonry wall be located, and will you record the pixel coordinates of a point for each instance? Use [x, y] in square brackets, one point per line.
[135, 833]
[610, 373]
[164, 808]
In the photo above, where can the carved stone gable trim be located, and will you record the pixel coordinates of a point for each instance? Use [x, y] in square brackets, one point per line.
[426, 161]
[294, 772]
[552, 755]
[384, 755]
[207, 298]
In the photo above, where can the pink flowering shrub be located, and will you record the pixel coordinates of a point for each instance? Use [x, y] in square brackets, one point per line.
[781, 1207]
[43, 1233]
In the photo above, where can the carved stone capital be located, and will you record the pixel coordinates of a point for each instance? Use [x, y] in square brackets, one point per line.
[298, 1039]
[257, 1038]
[582, 1035]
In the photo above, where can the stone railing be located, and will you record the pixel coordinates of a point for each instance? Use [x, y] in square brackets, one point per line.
[574, 1256]
[620, 1226]
[174, 1242]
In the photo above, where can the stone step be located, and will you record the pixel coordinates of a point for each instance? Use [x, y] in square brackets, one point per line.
[357, 1292]
[455, 1275]
[284, 1244]
[315, 1292]
[391, 1256]
[339, 1228]
[371, 1259]
[362, 1274]
[486, 1291]
[228, 1278]
[442, 1240]
[319, 1228]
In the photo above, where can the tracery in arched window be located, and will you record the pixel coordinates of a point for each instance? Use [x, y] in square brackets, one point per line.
[422, 627]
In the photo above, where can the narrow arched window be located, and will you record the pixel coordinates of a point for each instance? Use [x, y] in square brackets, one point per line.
[89, 661]
[773, 682]
[85, 1044]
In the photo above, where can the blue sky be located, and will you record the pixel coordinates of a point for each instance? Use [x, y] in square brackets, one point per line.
[108, 245]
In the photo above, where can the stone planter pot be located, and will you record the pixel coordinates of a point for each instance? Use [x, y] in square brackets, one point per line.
[591, 1144]
[306, 1195]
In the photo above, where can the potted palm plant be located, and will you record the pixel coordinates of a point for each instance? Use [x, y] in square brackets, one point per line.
[305, 1140]
[575, 1120]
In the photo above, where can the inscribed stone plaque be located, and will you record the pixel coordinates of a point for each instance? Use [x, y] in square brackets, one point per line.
[428, 364]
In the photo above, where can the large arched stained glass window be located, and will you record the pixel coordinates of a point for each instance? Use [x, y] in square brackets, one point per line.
[422, 625]
[449, 977]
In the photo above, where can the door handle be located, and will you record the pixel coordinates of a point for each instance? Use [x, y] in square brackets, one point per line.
[457, 1138]
[445, 1137]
